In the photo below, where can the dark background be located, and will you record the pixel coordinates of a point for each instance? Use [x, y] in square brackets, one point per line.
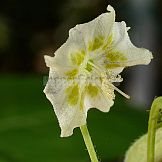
[30, 29]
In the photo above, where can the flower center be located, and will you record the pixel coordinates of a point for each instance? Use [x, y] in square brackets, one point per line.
[89, 66]
[107, 78]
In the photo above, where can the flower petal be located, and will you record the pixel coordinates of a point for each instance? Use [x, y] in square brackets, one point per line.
[64, 96]
[96, 31]
[123, 52]
[96, 98]
[70, 55]
[66, 72]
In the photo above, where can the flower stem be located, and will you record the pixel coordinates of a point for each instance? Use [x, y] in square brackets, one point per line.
[152, 126]
[88, 143]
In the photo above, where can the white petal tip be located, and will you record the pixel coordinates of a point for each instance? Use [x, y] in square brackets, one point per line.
[110, 8]
[45, 91]
[128, 28]
[148, 58]
[151, 55]
[66, 133]
[48, 60]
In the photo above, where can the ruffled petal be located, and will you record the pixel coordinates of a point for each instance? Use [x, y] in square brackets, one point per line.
[95, 97]
[70, 55]
[122, 52]
[96, 32]
[65, 98]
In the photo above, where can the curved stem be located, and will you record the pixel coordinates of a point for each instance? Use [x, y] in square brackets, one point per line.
[152, 126]
[88, 143]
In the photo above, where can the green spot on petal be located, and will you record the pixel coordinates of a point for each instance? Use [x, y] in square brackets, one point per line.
[72, 94]
[71, 74]
[108, 43]
[78, 57]
[115, 59]
[115, 56]
[96, 43]
[92, 90]
[111, 66]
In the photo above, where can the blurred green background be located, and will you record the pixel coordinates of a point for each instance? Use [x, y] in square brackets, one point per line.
[29, 131]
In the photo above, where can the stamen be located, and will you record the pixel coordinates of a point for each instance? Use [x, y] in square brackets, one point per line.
[107, 81]
[97, 68]
[121, 92]
[107, 85]
[108, 90]
[86, 71]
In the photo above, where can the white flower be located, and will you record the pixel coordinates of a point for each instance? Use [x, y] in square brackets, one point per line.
[84, 68]
[138, 151]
